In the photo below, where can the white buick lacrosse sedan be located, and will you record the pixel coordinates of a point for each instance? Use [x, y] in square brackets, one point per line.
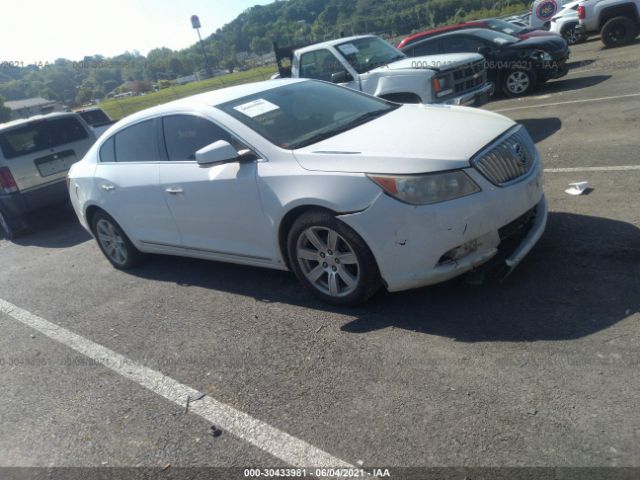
[348, 191]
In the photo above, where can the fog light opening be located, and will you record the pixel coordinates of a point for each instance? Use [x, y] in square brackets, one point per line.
[455, 254]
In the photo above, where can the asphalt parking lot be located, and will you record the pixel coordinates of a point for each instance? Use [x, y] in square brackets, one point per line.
[541, 370]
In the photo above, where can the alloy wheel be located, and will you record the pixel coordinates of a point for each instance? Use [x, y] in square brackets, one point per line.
[571, 36]
[111, 241]
[518, 82]
[327, 261]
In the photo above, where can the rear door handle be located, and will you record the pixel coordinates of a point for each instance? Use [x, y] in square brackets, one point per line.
[107, 187]
[174, 190]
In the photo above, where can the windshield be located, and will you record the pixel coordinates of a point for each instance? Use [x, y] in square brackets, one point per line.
[367, 53]
[302, 113]
[504, 27]
[498, 38]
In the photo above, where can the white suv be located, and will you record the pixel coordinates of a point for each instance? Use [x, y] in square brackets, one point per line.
[35, 156]
[349, 191]
[566, 22]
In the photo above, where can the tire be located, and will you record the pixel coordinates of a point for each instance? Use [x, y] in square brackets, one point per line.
[570, 35]
[619, 31]
[518, 82]
[331, 260]
[10, 229]
[6, 230]
[114, 243]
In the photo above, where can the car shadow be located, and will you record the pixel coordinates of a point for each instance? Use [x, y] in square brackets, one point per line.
[580, 63]
[541, 128]
[54, 227]
[577, 83]
[580, 279]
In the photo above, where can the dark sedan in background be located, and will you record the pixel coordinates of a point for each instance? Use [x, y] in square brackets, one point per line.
[491, 23]
[515, 66]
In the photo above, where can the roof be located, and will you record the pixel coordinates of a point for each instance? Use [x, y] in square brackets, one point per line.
[427, 33]
[214, 97]
[28, 103]
[23, 121]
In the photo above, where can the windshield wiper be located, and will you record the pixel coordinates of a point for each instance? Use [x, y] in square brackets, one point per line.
[347, 126]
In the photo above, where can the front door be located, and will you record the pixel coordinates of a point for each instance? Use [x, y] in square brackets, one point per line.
[217, 208]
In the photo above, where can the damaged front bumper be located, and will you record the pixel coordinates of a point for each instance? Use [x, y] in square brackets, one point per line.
[425, 245]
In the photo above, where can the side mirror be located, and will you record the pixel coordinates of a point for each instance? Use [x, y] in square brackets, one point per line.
[217, 152]
[483, 50]
[341, 77]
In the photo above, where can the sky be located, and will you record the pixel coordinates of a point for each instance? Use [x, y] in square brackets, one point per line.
[39, 31]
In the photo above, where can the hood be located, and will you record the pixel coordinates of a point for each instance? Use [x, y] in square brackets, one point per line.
[410, 139]
[437, 62]
[536, 34]
[547, 43]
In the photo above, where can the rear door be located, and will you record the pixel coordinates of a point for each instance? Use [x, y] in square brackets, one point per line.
[126, 179]
[41, 152]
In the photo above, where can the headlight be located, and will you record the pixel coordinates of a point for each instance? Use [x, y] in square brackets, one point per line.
[541, 56]
[442, 86]
[427, 189]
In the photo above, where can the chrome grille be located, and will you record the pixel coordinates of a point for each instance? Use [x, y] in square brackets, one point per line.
[464, 79]
[508, 160]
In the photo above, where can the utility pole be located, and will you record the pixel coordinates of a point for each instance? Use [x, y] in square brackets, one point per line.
[195, 23]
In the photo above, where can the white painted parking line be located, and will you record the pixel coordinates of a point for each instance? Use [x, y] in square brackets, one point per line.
[279, 444]
[620, 168]
[568, 102]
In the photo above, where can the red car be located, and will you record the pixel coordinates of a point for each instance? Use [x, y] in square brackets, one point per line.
[493, 23]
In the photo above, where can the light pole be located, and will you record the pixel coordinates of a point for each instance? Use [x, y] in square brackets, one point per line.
[195, 23]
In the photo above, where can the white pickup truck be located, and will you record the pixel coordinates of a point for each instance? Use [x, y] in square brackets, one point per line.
[617, 21]
[369, 64]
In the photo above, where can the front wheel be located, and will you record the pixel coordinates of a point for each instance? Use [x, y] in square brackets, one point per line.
[331, 260]
[518, 82]
[114, 243]
[571, 35]
[619, 31]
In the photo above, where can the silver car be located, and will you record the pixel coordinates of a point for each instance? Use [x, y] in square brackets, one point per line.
[35, 156]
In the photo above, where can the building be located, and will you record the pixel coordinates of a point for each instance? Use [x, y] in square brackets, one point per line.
[29, 107]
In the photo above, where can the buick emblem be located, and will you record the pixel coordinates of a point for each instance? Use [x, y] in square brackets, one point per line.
[520, 154]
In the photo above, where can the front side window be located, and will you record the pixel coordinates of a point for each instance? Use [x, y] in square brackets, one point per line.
[319, 64]
[302, 113]
[137, 143]
[41, 135]
[365, 54]
[184, 135]
[461, 44]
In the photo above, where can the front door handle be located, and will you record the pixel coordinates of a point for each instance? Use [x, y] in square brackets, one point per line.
[174, 190]
[107, 187]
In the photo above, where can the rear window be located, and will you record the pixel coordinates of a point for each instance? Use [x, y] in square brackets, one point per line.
[41, 135]
[95, 118]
